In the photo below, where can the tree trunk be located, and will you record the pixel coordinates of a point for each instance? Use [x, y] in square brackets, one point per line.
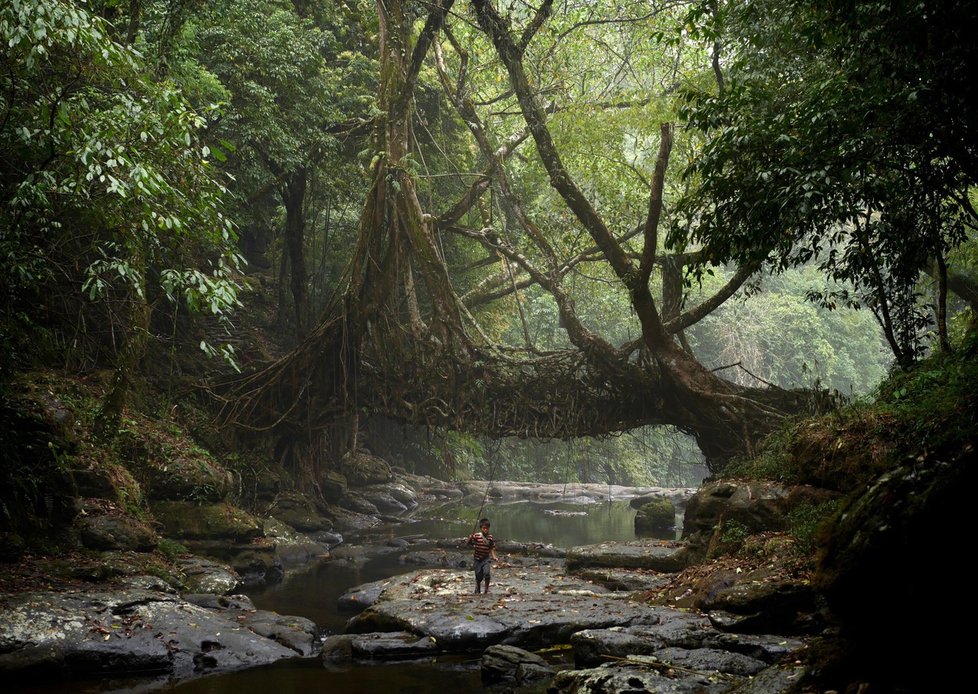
[106, 424]
[293, 197]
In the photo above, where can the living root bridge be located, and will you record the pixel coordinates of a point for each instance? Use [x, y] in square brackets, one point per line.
[542, 395]
[486, 390]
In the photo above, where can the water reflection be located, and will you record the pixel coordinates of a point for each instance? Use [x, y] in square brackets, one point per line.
[314, 593]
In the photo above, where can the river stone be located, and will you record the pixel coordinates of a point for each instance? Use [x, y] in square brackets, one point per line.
[396, 645]
[383, 501]
[782, 607]
[183, 520]
[362, 469]
[106, 532]
[634, 676]
[529, 609]
[293, 548]
[676, 629]
[298, 511]
[403, 494]
[775, 679]
[626, 579]
[205, 576]
[710, 660]
[74, 635]
[437, 557]
[333, 485]
[241, 603]
[671, 628]
[657, 555]
[363, 596]
[655, 515]
[255, 563]
[297, 633]
[148, 583]
[358, 503]
[759, 505]
[510, 664]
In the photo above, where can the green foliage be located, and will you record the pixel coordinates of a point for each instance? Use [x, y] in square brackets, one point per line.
[733, 532]
[104, 179]
[844, 136]
[773, 461]
[804, 522]
[171, 549]
[926, 411]
[779, 336]
[935, 404]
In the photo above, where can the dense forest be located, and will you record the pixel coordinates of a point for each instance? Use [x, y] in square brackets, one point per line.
[624, 242]
[728, 214]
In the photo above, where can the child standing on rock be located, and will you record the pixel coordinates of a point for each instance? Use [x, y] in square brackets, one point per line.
[484, 553]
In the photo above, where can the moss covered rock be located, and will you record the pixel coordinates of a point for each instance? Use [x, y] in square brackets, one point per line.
[362, 468]
[298, 511]
[184, 520]
[116, 532]
[655, 515]
[873, 576]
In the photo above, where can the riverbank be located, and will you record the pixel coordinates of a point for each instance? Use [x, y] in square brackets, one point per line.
[115, 612]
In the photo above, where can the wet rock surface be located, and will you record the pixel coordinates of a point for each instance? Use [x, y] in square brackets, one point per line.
[134, 631]
[591, 598]
[532, 608]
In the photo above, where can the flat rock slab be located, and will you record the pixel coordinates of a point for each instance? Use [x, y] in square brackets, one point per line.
[644, 674]
[529, 607]
[658, 555]
[134, 631]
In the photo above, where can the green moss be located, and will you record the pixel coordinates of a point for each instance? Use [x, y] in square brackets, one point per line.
[171, 549]
[805, 520]
[733, 532]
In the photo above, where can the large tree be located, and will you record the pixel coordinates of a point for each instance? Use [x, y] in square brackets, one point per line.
[110, 206]
[844, 136]
[415, 349]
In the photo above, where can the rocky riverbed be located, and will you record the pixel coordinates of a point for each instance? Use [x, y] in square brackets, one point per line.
[594, 600]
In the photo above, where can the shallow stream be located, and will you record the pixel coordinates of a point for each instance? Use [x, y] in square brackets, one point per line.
[313, 593]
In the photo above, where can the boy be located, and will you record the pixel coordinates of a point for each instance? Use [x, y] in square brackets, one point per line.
[484, 553]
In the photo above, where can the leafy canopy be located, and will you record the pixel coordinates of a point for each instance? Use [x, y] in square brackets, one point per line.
[103, 178]
[845, 136]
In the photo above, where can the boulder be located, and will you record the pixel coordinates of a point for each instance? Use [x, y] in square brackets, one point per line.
[758, 505]
[639, 554]
[655, 516]
[175, 475]
[292, 548]
[391, 645]
[333, 485]
[299, 511]
[513, 665]
[361, 469]
[115, 532]
[127, 632]
[184, 520]
[869, 572]
[205, 576]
